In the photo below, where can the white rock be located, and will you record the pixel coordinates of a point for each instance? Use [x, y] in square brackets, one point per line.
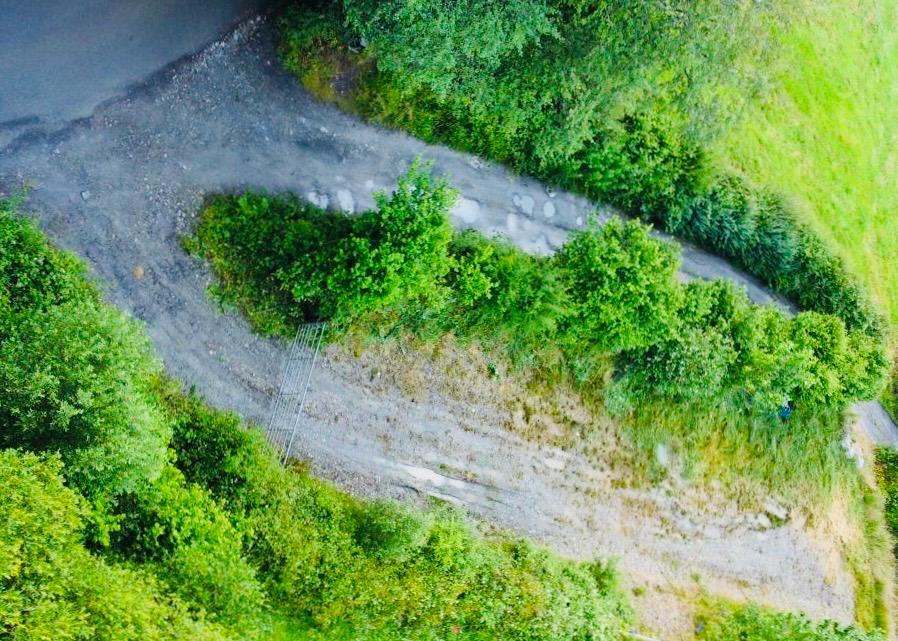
[549, 209]
[346, 200]
[466, 209]
[511, 223]
[525, 203]
[319, 200]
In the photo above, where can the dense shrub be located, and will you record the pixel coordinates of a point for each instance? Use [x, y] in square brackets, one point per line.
[194, 547]
[74, 373]
[611, 290]
[51, 587]
[623, 292]
[751, 623]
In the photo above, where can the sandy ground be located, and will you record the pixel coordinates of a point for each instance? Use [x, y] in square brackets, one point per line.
[120, 187]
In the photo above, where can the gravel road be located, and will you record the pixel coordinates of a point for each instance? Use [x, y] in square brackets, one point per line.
[120, 186]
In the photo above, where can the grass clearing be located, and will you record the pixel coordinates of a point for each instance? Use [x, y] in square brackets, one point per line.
[827, 136]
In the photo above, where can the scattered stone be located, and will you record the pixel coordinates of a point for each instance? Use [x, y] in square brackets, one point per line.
[138, 272]
[549, 209]
[466, 209]
[525, 203]
[554, 464]
[662, 455]
[369, 185]
[319, 200]
[511, 223]
[579, 221]
[712, 532]
[763, 522]
[346, 200]
[85, 195]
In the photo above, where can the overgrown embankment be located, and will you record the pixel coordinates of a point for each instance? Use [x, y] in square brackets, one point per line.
[693, 363]
[629, 107]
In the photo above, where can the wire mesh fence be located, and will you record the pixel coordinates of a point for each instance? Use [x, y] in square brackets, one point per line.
[289, 405]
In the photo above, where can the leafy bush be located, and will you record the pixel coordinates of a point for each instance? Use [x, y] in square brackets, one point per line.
[751, 623]
[194, 547]
[622, 286]
[51, 587]
[74, 373]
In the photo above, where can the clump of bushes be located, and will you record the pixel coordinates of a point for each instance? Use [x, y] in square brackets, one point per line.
[752, 623]
[610, 292]
[74, 373]
[617, 103]
[52, 587]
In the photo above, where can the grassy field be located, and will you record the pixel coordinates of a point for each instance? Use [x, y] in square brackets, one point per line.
[827, 136]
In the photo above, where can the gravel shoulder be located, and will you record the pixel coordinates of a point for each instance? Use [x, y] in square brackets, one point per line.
[120, 187]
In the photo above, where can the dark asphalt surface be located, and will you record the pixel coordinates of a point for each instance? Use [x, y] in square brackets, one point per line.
[59, 59]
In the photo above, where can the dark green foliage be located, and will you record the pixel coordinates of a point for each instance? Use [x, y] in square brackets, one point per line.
[74, 373]
[751, 623]
[51, 587]
[195, 549]
[622, 288]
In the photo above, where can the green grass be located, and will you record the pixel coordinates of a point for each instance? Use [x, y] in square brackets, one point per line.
[722, 621]
[828, 138]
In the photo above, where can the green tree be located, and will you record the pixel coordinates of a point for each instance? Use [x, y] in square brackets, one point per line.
[622, 286]
[52, 588]
[74, 379]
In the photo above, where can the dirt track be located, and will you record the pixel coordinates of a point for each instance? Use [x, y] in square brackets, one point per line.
[120, 187]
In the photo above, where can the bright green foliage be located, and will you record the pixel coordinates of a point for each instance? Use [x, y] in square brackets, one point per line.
[193, 545]
[609, 290]
[622, 286]
[504, 298]
[333, 267]
[51, 588]
[751, 623]
[617, 100]
[378, 570]
[394, 253]
[73, 372]
[34, 276]
[887, 477]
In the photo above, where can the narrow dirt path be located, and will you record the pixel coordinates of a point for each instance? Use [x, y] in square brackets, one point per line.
[120, 188]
